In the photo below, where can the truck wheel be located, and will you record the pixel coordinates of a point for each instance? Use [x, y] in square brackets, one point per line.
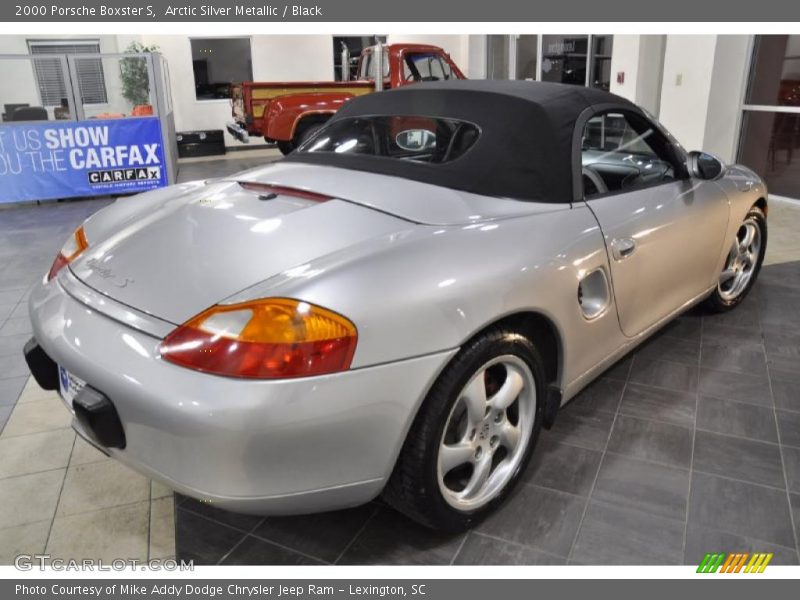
[306, 133]
[286, 147]
[473, 434]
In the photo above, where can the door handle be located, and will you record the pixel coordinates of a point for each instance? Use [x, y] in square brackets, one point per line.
[622, 248]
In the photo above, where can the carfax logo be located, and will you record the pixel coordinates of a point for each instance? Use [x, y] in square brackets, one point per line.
[120, 175]
[734, 562]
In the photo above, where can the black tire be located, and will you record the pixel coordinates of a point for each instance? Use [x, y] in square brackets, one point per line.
[286, 147]
[413, 487]
[306, 132]
[717, 302]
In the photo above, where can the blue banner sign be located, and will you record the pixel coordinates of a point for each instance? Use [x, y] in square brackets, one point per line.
[48, 159]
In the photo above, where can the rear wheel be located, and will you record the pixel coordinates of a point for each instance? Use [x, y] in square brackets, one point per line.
[473, 435]
[286, 147]
[307, 132]
[742, 263]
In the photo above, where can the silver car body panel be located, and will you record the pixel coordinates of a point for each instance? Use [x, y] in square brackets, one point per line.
[419, 270]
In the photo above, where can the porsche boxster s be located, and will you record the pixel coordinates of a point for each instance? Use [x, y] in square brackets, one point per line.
[398, 307]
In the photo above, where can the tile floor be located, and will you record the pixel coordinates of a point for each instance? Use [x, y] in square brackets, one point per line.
[691, 444]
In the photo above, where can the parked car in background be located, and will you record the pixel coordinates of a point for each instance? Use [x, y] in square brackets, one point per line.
[288, 113]
[396, 308]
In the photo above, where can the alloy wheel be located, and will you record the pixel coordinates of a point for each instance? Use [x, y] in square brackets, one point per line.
[741, 262]
[487, 432]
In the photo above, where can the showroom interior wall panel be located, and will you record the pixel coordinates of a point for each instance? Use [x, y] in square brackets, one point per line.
[275, 58]
[728, 81]
[686, 89]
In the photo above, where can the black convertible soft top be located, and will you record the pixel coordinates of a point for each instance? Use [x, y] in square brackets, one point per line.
[526, 147]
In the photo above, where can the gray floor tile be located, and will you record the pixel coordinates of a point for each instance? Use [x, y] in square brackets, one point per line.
[659, 404]
[578, 427]
[537, 517]
[718, 334]
[13, 366]
[201, 540]
[739, 458]
[735, 386]
[749, 361]
[789, 427]
[5, 412]
[620, 370]
[613, 535]
[638, 485]
[687, 327]
[791, 462]
[736, 418]
[18, 326]
[253, 551]
[650, 440]
[482, 550]
[602, 394]
[563, 467]
[391, 538]
[786, 394]
[10, 390]
[12, 345]
[665, 374]
[745, 509]
[794, 499]
[700, 540]
[674, 349]
[324, 536]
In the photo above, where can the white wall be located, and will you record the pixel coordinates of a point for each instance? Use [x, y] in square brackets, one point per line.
[688, 65]
[731, 63]
[476, 57]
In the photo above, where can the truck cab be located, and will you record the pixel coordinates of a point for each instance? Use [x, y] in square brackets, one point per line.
[288, 113]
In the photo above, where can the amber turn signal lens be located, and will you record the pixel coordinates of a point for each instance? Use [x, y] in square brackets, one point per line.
[274, 338]
[72, 248]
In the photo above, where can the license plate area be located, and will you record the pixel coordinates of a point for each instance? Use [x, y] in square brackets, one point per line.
[69, 385]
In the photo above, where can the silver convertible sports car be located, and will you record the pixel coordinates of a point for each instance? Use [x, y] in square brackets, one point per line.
[398, 307]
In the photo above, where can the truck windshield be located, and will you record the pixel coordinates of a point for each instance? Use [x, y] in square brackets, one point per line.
[421, 139]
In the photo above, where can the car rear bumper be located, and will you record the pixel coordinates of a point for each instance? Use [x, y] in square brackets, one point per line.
[268, 447]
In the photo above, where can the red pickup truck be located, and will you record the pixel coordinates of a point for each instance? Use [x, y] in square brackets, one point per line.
[290, 112]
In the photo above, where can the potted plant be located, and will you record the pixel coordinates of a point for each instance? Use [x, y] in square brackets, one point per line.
[135, 80]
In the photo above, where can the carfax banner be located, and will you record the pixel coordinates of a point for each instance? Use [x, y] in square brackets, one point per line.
[47, 160]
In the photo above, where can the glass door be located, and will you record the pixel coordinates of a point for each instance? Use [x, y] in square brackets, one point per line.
[770, 136]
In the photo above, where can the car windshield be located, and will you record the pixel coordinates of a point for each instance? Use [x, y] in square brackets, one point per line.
[421, 139]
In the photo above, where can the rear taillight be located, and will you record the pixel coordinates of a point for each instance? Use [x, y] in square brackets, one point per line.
[274, 338]
[71, 250]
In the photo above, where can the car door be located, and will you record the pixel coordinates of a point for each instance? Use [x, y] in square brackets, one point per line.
[663, 229]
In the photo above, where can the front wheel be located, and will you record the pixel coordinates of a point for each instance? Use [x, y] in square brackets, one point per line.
[742, 264]
[474, 433]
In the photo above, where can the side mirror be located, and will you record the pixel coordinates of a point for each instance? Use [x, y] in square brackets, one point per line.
[705, 166]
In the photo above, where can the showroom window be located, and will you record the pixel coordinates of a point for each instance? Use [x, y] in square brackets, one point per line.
[577, 59]
[50, 75]
[512, 56]
[354, 44]
[219, 62]
[770, 134]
